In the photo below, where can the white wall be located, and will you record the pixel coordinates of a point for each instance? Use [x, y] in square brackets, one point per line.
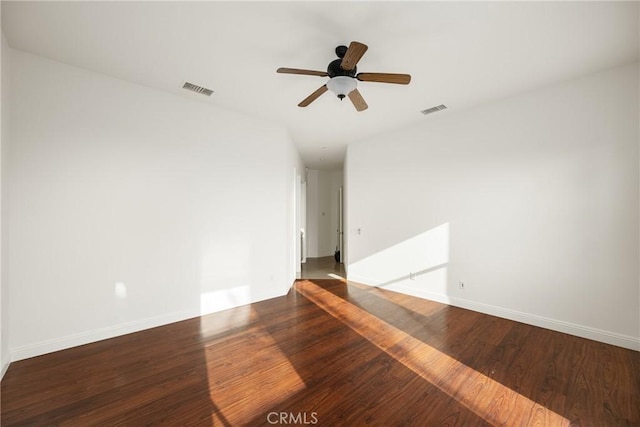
[336, 180]
[312, 230]
[131, 208]
[303, 219]
[532, 202]
[322, 211]
[346, 228]
[4, 114]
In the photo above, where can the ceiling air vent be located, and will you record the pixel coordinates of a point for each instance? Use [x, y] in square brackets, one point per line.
[434, 109]
[197, 89]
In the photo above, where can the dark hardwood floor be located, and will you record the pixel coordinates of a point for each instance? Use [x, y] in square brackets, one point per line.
[331, 354]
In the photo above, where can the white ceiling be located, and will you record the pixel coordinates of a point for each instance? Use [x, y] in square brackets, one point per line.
[459, 54]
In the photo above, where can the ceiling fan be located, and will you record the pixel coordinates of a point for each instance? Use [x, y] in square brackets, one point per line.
[343, 76]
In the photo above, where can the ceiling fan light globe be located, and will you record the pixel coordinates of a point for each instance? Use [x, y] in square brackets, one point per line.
[341, 85]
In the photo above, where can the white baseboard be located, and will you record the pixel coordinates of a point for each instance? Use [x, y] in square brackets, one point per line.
[588, 332]
[56, 344]
[74, 340]
[5, 366]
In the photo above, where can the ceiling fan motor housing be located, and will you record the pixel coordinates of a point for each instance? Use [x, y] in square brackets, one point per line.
[335, 70]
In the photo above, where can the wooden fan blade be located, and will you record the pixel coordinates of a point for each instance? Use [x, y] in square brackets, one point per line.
[315, 95]
[303, 72]
[353, 55]
[357, 100]
[401, 79]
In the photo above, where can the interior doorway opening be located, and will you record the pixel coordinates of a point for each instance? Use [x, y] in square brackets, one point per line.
[322, 237]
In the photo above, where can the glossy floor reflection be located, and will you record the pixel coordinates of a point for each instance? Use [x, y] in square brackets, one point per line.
[337, 352]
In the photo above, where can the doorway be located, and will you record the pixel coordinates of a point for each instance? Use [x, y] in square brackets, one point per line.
[322, 237]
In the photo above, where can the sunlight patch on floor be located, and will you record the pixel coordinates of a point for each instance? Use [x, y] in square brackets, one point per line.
[487, 398]
[267, 378]
[221, 322]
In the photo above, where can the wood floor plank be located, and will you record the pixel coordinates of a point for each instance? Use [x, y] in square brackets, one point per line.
[344, 353]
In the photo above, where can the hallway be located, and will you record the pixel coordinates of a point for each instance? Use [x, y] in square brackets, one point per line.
[322, 268]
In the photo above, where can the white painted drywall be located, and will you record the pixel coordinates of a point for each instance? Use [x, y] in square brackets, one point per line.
[312, 213]
[345, 217]
[336, 180]
[532, 202]
[4, 126]
[322, 211]
[131, 208]
[303, 219]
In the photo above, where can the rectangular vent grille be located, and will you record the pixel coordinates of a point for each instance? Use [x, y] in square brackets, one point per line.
[197, 89]
[434, 109]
